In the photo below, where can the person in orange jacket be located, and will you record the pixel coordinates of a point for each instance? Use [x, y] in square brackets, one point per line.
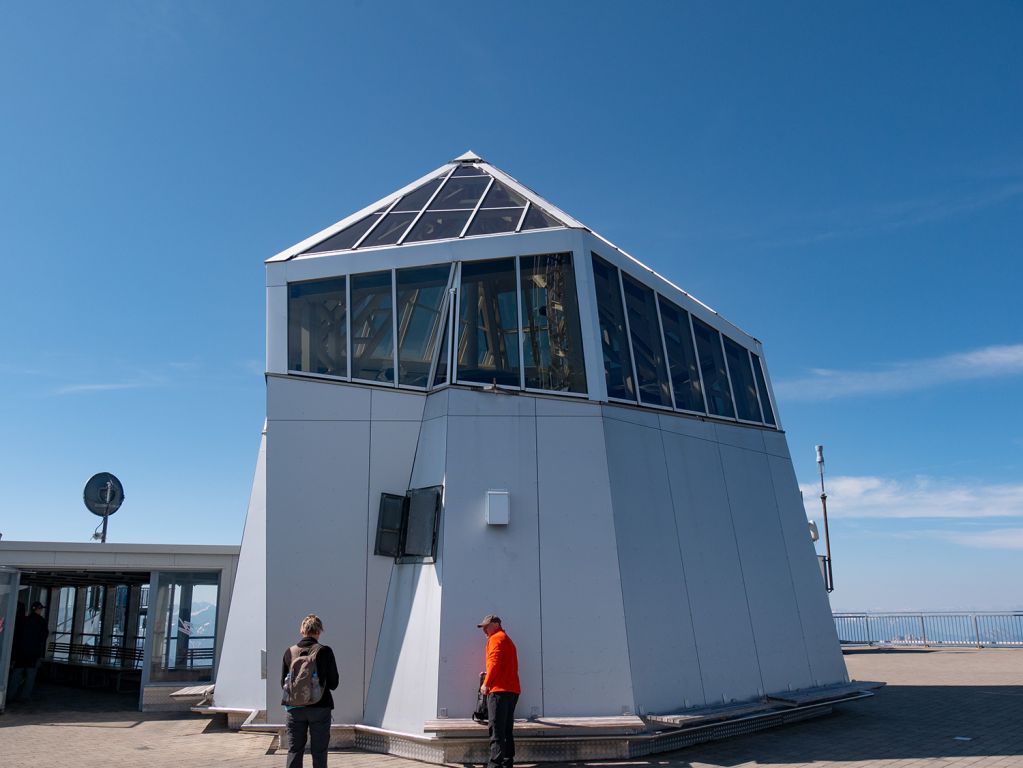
[501, 687]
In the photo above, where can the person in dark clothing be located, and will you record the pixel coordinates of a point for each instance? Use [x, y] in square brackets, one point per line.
[30, 635]
[311, 722]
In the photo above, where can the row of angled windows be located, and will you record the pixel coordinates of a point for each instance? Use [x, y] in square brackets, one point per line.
[655, 353]
[515, 322]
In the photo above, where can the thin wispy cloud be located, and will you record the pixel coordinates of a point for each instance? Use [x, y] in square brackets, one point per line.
[922, 497]
[79, 389]
[905, 376]
[892, 215]
[997, 538]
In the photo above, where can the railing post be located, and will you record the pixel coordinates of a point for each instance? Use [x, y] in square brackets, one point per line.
[923, 630]
[866, 618]
[976, 632]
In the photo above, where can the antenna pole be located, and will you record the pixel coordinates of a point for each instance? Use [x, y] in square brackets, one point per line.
[829, 581]
[108, 496]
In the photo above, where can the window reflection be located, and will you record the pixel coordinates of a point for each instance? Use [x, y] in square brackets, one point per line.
[316, 327]
[421, 293]
[488, 340]
[552, 344]
[765, 396]
[742, 381]
[712, 365]
[685, 373]
[647, 350]
[372, 331]
[613, 341]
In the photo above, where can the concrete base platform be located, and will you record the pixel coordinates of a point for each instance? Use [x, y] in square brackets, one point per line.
[544, 740]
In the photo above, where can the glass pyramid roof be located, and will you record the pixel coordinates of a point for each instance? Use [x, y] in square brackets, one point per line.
[462, 200]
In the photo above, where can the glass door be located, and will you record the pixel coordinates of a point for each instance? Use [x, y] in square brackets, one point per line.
[8, 615]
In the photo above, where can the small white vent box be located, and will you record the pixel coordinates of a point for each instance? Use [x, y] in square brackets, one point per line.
[498, 509]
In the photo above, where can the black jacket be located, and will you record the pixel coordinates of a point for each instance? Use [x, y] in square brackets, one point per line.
[30, 633]
[326, 670]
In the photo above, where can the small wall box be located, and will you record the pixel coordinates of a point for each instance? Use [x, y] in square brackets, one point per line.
[498, 508]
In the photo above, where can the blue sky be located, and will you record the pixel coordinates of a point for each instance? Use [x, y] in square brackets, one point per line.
[845, 182]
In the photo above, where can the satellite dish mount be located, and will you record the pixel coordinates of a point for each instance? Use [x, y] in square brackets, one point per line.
[103, 495]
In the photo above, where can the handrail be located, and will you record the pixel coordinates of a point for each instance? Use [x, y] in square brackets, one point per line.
[992, 629]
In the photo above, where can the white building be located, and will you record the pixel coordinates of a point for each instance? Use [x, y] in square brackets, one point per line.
[560, 436]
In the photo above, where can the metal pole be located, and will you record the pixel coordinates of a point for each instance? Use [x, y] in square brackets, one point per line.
[830, 585]
[976, 632]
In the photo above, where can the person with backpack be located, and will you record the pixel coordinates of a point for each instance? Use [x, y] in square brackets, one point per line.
[308, 675]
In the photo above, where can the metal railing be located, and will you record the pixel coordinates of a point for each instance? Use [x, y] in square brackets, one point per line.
[982, 630]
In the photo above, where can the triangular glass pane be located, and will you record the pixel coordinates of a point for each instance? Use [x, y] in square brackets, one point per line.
[500, 196]
[469, 170]
[494, 221]
[537, 218]
[460, 194]
[391, 228]
[347, 237]
[414, 201]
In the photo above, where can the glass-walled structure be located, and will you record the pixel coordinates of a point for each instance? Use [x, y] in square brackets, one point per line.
[514, 322]
[453, 281]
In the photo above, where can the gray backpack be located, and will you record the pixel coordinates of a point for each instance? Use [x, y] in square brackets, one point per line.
[302, 685]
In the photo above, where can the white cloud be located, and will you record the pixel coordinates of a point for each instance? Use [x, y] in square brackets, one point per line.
[998, 538]
[878, 497]
[77, 389]
[906, 376]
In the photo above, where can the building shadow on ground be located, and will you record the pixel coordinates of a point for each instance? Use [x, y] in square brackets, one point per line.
[899, 723]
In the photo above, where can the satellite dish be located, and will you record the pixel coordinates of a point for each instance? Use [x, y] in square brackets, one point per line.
[103, 494]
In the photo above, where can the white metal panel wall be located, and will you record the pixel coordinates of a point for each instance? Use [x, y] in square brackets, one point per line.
[585, 646]
[772, 601]
[317, 477]
[489, 569]
[823, 649]
[392, 451]
[239, 683]
[724, 635]
[403, 685]
[662, 648]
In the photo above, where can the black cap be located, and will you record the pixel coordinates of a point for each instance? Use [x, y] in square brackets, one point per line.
[37, 604]
[489, 619]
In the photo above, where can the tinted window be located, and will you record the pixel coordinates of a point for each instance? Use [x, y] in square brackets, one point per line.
[539, 219]
[316, 327]
[460, 193]
[437, 225]
[647, 350]
[389, 230]
[765, 396]
[685, 373]
[420, 538]
[346, 238]
[372, 329]
[491, 222]
[390, 521]
[414, 201]
[613, 342]
[421, 294]
[712, 366]
[441, 376]
[488, 340]
[552, 341]
[742, 381]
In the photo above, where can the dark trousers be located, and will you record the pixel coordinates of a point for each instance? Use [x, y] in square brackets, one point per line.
[501, 714]
[316, 722]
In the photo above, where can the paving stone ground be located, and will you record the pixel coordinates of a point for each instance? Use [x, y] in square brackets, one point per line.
[932, 697]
